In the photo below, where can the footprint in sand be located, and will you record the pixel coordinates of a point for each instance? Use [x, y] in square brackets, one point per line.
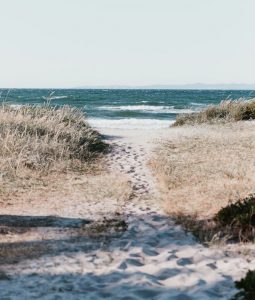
[152, 259]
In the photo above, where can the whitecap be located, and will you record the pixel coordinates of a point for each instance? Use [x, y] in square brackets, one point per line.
[198, 104]
[129, 123]
[54, 97]
[148, 109]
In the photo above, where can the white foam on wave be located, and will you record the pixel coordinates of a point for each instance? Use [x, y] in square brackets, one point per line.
[129, 123]
[148, 108]
[198, 104]
[54, 97]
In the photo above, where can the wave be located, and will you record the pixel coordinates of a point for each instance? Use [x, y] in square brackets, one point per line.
[54, 97]
[198, 104]
[148, 109]
[129, 123]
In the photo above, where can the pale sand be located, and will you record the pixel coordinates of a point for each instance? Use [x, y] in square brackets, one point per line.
[153, 259]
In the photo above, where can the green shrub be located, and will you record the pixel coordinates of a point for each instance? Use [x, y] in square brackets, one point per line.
[240, 217]
[247, 285]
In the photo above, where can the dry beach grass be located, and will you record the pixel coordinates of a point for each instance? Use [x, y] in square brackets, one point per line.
[45, 138]
[202, 169]
[52, 163]
[67, 254]
[226, 111]
[36, 142]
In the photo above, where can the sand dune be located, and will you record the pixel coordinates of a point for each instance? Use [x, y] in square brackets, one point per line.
[152, 259]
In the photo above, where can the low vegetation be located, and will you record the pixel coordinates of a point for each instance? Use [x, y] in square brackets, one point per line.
[52, 164]
[41, 138]
[203, 169]
[226, 111]
[239, 217]
[36, 141]
[247, 287]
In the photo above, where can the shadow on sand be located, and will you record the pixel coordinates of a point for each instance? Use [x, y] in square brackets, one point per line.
[41, 221]
[117, 265]
[109, 137]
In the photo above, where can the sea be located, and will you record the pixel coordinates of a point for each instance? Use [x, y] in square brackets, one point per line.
[125, 108]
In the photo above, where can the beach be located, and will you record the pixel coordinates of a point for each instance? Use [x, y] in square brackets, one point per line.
[127, 206]
[152, 258]
[127, 150]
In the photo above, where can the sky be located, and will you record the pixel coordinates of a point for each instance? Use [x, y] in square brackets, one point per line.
[72, 43]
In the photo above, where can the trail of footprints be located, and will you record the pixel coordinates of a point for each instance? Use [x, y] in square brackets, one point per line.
[132, 161]
[153, 259]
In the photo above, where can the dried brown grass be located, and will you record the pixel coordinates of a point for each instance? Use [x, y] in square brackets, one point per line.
[52, 164]
[226, 111]
[53, 154]
[37, 141]
[204, 168]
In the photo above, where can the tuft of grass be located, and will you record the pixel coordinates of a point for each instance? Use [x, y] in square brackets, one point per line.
[226, 111]
[247, 286]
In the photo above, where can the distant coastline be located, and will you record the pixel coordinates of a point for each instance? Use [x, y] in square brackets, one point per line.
[196, 86]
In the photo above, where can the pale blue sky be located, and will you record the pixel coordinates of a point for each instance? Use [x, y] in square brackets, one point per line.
[69, 43]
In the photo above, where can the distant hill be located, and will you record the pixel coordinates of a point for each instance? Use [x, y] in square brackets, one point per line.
[196, 86]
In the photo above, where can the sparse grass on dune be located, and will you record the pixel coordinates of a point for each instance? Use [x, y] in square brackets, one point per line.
[43, 138]
[69, 194]
[203, 169]
[38, 140]
[52, 163]
[50, 156]
[226, 111]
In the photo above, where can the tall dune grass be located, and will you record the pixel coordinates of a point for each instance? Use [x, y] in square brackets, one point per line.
[44, 138]
[52, 163]
[226, 111]
[38, 140]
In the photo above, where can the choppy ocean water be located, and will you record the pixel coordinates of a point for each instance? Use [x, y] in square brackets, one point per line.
[126, 109]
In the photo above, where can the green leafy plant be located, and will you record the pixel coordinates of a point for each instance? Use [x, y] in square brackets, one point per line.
[247, 286]
[240, 217]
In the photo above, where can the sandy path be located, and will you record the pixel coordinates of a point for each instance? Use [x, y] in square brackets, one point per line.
[152, 259]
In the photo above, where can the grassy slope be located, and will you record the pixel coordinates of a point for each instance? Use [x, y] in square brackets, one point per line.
[48, 153]
[52, 164]
[226, 111]
[207, 175]
[204, 168]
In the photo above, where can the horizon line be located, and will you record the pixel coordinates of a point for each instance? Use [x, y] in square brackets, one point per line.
[192, 86]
